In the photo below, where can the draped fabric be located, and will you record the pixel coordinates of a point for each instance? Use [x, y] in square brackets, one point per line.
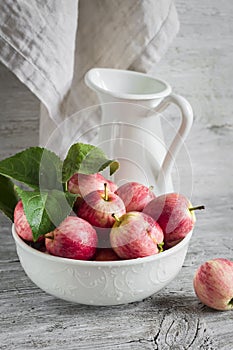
[51, 44]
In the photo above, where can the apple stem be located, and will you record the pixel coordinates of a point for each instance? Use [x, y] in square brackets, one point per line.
[105, 192]
[49, 235]
[199, 207]
[151, 188]
[116, 217]
[160, 247]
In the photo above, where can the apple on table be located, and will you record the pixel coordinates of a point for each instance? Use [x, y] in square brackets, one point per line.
[213, 284]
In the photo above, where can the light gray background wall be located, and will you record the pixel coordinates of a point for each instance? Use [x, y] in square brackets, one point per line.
[199, 65]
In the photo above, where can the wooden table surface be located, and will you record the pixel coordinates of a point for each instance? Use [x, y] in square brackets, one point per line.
[171, 319]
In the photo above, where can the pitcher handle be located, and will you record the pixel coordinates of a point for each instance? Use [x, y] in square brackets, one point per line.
[184, 128]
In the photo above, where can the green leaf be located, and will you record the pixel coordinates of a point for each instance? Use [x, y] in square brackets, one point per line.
[50, 176]
[86, 159]
[45, 210]
[59, 205]
[8, 197]
[34, 166]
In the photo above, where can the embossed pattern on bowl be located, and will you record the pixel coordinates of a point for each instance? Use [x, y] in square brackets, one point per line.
[101, 283]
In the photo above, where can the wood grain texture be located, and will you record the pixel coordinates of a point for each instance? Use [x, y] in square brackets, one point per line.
[198, 65]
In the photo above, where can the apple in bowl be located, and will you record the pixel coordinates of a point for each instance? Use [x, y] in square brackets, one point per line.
[175, 215]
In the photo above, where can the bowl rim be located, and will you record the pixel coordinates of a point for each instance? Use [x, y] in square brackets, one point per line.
[19, 241]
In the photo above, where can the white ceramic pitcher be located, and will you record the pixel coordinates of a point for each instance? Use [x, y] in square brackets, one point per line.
[131, 128]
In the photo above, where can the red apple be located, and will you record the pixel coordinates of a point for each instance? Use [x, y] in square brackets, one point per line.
[106, 254]
[22, 226]
[174, 214]
[213, 284]
[135, 196]
[74, 238]
[136, 235]
[97, 208]
[83, 184]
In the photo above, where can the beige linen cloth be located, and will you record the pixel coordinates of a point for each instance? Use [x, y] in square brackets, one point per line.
[50, 44]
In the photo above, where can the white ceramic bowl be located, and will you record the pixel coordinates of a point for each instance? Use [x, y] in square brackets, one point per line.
[101, 283]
